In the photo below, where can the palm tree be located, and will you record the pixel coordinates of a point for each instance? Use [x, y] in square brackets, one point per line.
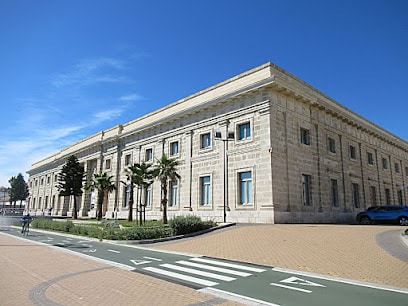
[166, 170]
[103, 183]
[140, 175]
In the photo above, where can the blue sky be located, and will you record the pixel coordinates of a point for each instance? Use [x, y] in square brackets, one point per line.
[72, 68]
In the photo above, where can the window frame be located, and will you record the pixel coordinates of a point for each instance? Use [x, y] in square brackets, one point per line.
[205, 189]
[305, 136]
[307, 190]
[149, 154]
[205, 145]
[244, 130]
[247, 185]
[172, 145]
[331, 145]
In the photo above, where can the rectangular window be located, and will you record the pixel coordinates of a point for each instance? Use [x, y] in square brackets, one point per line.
[205, 183]
[370, 158]
[48, 179]
[384, 163]
[304, 136]
[127, 196]
[397, 168]
[373, 196]
[108, 164]
[406, 171]
[307, 189]
[244, 131]
[128, 160]
[332, 145]
[387, 196]
[356, 194]
[205, 141]
[149, 155]
[353, 154]
[334, 190]
[400, 197]
[148, 195]
[174, 194]
[174, 148]
[245, 185]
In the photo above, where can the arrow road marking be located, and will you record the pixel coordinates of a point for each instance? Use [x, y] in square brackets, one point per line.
[298, 281]
[291, 288]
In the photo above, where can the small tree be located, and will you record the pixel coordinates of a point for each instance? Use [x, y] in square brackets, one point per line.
[103, 183]
[138, 175]
[165, 169]
[18, 189]
[70, 181]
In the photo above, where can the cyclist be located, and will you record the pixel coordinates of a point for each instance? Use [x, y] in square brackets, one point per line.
[26, 222]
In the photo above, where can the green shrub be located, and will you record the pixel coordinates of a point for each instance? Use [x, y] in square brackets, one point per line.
[110, 223]
[182, 225]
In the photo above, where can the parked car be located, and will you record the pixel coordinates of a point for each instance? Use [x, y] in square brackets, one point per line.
[384, 214]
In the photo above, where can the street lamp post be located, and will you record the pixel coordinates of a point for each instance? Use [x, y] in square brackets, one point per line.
[229, 136]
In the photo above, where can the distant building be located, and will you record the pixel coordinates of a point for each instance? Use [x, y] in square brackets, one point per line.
[291, 154]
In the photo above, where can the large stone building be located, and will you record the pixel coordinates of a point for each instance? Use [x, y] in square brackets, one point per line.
[261, 147]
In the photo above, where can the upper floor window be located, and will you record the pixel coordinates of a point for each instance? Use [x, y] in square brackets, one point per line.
[353, 154]
[174, 148]
[108, 164]
[384, 163]
[356, 194]
[128, 159]
[304, 136]
[48, 179]
[149, 155]
[370, 158]
[397, 168]
[244, 131]
[406, 171]
[205, 141]
[332, 145]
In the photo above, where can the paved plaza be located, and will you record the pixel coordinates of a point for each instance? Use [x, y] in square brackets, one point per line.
[33, 274]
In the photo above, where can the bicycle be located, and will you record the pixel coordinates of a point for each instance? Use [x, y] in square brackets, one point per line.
[26, 228]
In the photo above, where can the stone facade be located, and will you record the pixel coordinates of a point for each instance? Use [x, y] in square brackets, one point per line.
[263, 147]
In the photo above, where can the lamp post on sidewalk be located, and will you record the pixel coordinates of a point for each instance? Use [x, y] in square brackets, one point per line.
[228, 136]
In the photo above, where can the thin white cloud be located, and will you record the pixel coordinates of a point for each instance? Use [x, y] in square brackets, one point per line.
[131, 97]
[107, 115]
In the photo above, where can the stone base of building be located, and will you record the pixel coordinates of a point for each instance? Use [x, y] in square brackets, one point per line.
[314, 217]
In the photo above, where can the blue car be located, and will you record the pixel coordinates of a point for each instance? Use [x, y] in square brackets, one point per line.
[384, 214]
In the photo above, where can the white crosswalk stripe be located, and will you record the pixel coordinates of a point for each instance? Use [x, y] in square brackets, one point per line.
[182, 276]
[200, 267]
[226, 264]
[218, 269]
[199, 272]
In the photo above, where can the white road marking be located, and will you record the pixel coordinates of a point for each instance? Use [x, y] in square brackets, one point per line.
[152, 258]
[226, 264]
[113, 251]
[199, 272]
[181, 276]
[291, 288]
[222, 270]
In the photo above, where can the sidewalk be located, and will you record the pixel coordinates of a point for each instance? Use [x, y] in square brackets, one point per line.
[32, 274]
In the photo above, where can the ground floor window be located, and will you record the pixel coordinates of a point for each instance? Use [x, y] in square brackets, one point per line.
[387, 196]
[373, 196]
[245, 188]
[356, 194]
[334, 190]
[174, 193]
[205, 187]
[127, 196]
[307, 189]
[148, 195]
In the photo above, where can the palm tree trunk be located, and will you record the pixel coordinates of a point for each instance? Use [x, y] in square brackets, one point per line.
[100, 204]
[164, 200]
[130, 215]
